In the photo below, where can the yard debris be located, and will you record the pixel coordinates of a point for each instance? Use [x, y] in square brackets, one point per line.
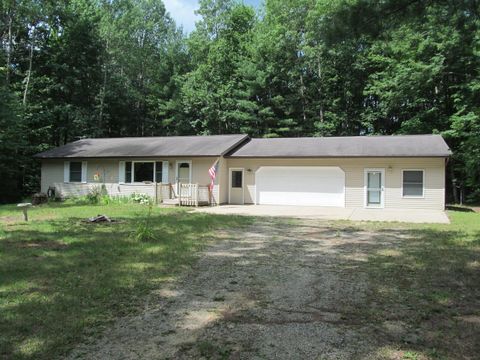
[99, 219]
[39, 198]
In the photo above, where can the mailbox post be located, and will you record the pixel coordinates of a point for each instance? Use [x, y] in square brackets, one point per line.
[24, 207]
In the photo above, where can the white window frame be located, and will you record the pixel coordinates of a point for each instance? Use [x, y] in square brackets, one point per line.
[365, 188]
[230, 183]
[423, 185]
[132, 175]
[66, 172]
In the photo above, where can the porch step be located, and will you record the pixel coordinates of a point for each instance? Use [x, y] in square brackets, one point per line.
[171, 202]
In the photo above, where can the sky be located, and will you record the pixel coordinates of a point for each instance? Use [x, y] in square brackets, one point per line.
[183, 11]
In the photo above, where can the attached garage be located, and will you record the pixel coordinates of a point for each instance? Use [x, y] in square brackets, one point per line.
[300, 185]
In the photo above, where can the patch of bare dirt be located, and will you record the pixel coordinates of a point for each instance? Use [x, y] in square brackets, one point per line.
[271, 292]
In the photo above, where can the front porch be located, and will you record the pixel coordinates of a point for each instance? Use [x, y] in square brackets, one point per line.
[185, 195]
[182, 194]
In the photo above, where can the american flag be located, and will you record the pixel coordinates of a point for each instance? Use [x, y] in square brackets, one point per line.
[213, 174]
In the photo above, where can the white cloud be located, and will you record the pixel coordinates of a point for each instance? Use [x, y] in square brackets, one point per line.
[183, 12]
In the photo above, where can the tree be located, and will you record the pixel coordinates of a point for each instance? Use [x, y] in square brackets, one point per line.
[216, 94]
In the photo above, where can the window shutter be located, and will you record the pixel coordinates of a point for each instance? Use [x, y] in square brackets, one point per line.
[121, 172]
[165, 172]
[84, 171]
[66, 171]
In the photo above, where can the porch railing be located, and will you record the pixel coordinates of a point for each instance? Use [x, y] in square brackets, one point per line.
[163, 192]
[193, 195]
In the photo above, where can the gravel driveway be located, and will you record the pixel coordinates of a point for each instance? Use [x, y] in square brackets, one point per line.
[274, 290]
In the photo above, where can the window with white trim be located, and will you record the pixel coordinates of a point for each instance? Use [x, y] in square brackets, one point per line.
[412, 183]
[144, 171]
[75, 171]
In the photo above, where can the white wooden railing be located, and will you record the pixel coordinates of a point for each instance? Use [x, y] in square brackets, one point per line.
[193, 195]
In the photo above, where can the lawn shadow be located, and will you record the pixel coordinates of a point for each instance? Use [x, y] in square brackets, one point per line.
[285, 289]
[63, 279]
[459, 208]
[423, 294]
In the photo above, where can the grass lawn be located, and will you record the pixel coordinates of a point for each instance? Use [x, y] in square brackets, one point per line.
[60, 278]
[427, 286]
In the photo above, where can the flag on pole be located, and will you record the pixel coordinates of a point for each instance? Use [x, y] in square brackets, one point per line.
[213, 174]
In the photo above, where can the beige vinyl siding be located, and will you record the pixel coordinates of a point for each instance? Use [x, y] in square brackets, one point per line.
[52, 175]
[222, 180]
[51, 172]
[354, 168]
[434, 186]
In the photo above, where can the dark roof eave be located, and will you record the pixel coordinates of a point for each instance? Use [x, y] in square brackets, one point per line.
[123, 157]
[336, 156]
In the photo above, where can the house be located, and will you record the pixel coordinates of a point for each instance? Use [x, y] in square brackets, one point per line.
[399, 172]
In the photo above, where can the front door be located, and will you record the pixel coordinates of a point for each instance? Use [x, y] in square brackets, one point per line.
[236, 186]
[375, 183]
[183, 174]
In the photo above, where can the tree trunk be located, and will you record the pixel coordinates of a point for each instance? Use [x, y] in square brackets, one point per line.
[9, 46]
[304, 105]
[104, 89]
[320, 90]
[29, 72]
[454, 185]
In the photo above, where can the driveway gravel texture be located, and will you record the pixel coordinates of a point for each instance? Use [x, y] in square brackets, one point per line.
[278, 289]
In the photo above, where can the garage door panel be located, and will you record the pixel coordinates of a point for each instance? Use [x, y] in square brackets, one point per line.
[310, 186]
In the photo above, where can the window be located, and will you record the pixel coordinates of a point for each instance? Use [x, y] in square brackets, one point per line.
[158, 171]
[75, 171]
[128, 172]
[413, 183]
[237, 178]
[143, 171]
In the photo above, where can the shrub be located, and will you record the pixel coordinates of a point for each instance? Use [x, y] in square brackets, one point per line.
[141, 199]
[143, 230]
[96, 194]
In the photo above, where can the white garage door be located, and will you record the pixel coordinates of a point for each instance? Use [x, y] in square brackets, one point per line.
[300, 185]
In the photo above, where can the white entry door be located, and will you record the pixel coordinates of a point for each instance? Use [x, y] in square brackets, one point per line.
[374, 188]
[236, 187]
[300, 185]
[183, 173]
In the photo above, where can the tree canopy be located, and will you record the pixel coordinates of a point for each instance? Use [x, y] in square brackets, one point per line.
[103, 68]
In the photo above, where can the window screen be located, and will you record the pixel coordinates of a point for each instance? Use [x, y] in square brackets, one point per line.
[143, 171]
[128, 172]
[412, 183]
[75, 171]
[237, 179]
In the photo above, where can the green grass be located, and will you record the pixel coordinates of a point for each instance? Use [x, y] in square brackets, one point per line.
[429, 282]
[62, 280]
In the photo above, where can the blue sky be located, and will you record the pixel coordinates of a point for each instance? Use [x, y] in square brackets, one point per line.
[183, 11]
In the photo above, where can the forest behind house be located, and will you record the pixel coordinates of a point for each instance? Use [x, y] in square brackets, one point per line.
[109, 68]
